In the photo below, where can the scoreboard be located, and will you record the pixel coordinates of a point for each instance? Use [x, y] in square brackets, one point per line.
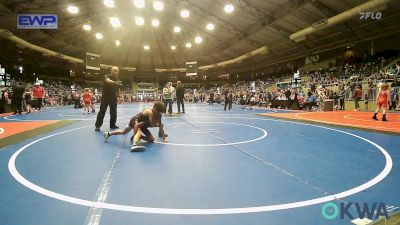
[191, 68]
[92, 61]
[4, 78]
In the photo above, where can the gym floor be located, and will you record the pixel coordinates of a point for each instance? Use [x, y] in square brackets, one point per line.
[219, 167]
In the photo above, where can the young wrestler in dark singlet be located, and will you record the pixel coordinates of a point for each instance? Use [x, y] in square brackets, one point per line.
[149, 117]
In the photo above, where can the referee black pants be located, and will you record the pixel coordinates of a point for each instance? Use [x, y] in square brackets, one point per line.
[103, 108]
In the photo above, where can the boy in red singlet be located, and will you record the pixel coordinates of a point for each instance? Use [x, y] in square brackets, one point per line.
[87, 98]
[382, 101]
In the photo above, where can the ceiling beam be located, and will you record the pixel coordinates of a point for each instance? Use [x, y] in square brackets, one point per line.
[329, 12]
[282, 11]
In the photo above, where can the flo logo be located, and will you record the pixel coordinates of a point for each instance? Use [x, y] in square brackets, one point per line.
[370, 15]
[372, 211]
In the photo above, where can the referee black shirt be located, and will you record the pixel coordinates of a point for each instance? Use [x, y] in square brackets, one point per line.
[110, 91]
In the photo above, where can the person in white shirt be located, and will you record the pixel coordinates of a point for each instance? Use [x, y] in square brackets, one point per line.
[168, 93]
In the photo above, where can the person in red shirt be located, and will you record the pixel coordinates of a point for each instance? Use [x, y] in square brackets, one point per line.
[382, 102]
[87, 98]
[38, 94]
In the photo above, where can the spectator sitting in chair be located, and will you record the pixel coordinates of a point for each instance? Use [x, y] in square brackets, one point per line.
[310, 102]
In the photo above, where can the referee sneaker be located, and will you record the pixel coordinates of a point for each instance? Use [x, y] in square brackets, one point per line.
[109, 97]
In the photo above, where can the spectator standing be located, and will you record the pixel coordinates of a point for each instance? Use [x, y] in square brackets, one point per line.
[357, 97]
[93, 102]
[211, 101]
[28, 100]
[366, 101]
[3, 100]
[38, 94]
[180, 96]
[394, 97]
[226, 93]
[335, 101]
[17, 97]
[372, 90]
[77, 100]
[168, 92]
[230, 99]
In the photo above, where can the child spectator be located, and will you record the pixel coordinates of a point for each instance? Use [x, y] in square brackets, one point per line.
[87, 98]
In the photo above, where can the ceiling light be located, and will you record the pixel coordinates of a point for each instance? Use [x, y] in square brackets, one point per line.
[146, 47]
[173, 47]
[210, 26]
[155, 23]
[109, 3]
[115, 22]
[185, 13]
[158, 6]
[139, 3]
[87, 27]
[177, 29]
[117, 43]
[198, 40]
[99, 36]
[188, 45]
[228, 8]
[139, 20]
[73, 9]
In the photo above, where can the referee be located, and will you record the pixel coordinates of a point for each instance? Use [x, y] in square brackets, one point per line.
[109, 98]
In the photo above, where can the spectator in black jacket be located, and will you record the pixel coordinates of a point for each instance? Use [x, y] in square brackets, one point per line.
[3, 100]
[226, 93]
[342, 96]
[16, 98]
[180, 96]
